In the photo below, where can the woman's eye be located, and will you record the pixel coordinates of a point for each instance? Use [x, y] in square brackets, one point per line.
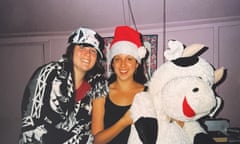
[82, 47]
[93, 51]
[129, 59]
[116, 59]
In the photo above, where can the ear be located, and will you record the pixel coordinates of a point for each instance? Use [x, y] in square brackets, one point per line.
[218, 74]
[137, 65]
[192, 50]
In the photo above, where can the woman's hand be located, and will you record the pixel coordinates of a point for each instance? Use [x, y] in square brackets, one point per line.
[127, 120]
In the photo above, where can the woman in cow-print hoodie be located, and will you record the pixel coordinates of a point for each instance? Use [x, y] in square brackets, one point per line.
[57, 101]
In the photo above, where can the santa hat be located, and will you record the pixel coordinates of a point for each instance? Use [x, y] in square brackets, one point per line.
[127, 41]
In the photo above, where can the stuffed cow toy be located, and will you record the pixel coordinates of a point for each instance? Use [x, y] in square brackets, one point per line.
[180, 92]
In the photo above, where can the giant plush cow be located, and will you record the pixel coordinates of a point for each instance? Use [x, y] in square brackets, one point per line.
[180, 93]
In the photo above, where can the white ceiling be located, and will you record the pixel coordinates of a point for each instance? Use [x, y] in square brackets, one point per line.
[36, 16]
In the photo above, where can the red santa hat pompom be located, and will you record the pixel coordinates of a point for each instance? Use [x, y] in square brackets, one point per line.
[127, 41]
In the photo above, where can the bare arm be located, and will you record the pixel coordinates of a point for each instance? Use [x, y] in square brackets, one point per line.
[101, 135]
[98, 115]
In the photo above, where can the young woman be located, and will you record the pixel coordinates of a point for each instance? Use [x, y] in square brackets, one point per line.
[57, 102]
[111, 119]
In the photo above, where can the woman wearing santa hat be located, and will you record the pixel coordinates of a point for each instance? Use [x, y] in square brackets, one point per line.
[110, 118]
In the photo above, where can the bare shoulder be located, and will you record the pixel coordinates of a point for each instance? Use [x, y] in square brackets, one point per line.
[139, 87]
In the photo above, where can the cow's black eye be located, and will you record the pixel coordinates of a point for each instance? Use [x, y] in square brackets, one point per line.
[195, 89]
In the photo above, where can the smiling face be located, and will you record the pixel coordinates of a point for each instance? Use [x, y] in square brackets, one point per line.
[84, 58]
[124, 66]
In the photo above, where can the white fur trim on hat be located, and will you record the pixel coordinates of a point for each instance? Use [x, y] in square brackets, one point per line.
[129, 48]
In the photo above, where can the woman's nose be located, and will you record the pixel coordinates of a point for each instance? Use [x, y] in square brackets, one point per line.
[123, 63]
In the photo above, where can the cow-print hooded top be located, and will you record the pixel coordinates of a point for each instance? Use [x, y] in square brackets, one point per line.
[50, 112]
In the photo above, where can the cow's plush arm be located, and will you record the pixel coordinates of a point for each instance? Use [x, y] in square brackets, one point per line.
[147, 130]
[144, 118]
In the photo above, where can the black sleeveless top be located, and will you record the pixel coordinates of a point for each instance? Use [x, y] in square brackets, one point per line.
[113, 113]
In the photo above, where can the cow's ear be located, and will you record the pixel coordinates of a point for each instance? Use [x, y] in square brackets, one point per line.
[192, 50]
[218, 75]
